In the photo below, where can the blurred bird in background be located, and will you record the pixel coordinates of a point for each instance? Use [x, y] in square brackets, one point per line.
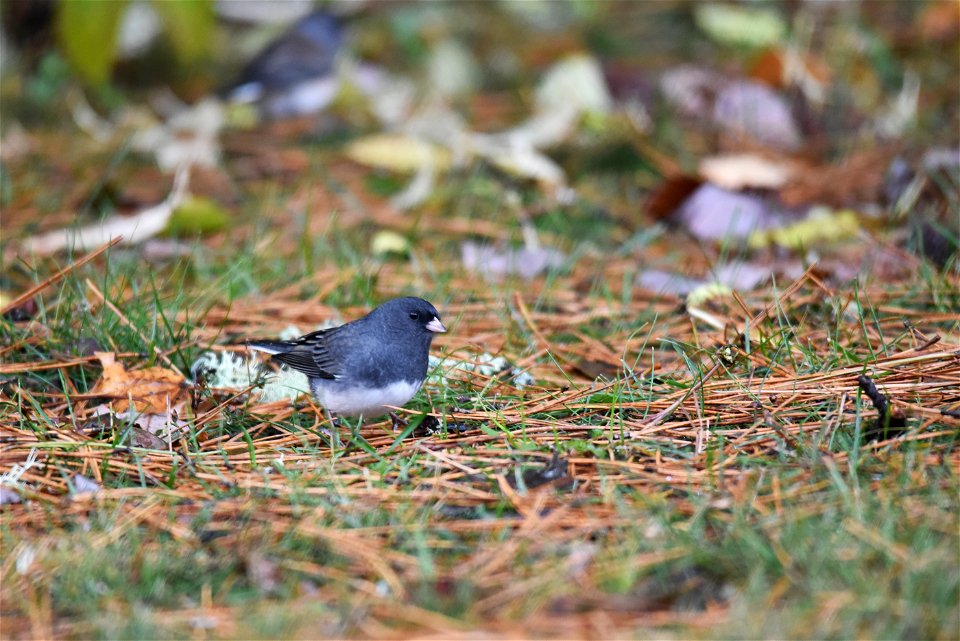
[295, 74]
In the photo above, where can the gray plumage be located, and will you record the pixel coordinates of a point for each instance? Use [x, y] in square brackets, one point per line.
[295, 74]
[363, 366]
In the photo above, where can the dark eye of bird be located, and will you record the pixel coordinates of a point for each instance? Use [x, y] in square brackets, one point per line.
[415, 315]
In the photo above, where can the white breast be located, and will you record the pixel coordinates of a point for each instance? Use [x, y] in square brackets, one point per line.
[354, 401]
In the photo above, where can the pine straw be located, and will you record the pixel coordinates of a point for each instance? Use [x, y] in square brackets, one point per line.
[671, 442]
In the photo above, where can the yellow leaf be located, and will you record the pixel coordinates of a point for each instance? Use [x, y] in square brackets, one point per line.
[396, 152]
[389, 242]
[820, 227]
[87, 34]
[147, 391]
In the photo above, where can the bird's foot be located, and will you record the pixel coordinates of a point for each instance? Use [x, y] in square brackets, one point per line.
[397, 422]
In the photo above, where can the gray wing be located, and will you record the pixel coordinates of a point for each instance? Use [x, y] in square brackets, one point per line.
[309, 354]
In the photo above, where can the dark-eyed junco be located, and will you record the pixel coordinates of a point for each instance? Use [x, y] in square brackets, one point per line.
[366, 365]
[294, 75]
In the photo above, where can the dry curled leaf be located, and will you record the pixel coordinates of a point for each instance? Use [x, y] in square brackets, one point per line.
[858, 179]
[746, 171]
[154, 390]
[396, 152]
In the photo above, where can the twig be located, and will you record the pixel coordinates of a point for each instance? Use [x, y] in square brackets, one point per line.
[123, 319]
[525, 313]
[30, 293]
[660, 416]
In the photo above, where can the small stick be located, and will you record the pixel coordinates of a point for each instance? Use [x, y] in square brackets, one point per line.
[18, 368]
[787, 293]
[156, 350]
[657, 418]
[30, 293]
[525, 313]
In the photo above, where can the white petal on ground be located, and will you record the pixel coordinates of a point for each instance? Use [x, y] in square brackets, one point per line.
[689, 89]
[574, 81]
[743, 171]
[742, 276]
[133, 229]
[139, 27]
[712, 213]
[756, 110]
[452, 69]
[495, 264]
[191, 136]
[84, 485]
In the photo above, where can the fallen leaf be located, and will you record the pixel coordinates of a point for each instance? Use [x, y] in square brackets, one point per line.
[713, 213]
[691, 89]
[724, 278]
[745, 171]
[197, 215]
[899, 112]
[664, 282]
[167, 428]
[132, 229]
[741, 109]
[140, 437]
[753, 26]
[939, 22]
[575, 82]
[749, 109]
[526, 162]
[387, 242]
[597, 369]
[495, 264]
[821, 226]
[670, 194]
[189, 137]
[417, 191]
[452, 69]
[856, 180]
[397, 152]
[705, 293]
[781, 68]
[84, 485]
[154, 390]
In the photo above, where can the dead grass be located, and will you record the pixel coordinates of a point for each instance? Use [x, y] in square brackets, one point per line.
[439, 535]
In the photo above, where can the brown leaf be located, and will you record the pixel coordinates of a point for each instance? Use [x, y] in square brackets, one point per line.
[148, 391]
[939, 22]
[140, 437]
[770, 69]
[859, 179]
[670, 194]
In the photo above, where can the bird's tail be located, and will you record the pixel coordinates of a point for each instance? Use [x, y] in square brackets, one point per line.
[270, 347]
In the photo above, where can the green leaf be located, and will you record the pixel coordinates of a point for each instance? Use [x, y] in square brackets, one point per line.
[87, 33]
[197, 215]
[749, 26]
[189, 24]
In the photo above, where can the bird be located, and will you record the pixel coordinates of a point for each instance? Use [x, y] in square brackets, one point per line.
[295, 74]
[364, 367]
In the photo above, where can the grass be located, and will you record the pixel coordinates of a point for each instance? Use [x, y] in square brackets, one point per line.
[674, 470]
[701, 496]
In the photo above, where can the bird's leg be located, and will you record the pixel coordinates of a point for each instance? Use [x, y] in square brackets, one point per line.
[334, 425]
[397, 421]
